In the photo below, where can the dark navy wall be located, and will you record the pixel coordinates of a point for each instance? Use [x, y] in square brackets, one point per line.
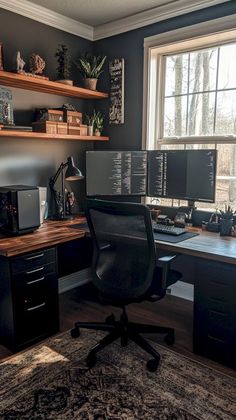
[130, 46]
[32, 162]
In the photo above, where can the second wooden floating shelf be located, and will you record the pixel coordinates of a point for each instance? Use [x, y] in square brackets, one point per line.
[47, 86]
[11, 134]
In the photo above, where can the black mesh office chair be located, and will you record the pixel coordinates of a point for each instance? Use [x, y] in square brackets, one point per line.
[125, 270]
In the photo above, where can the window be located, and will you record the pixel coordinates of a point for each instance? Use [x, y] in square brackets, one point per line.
[191, 102]
[200, 92]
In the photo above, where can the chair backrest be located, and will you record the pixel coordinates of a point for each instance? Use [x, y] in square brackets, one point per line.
[124, 255]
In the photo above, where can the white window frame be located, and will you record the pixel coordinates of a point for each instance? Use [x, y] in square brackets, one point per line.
[214, 32]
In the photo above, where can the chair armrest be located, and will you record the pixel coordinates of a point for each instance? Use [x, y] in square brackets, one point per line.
[167, 259]
[164, 262]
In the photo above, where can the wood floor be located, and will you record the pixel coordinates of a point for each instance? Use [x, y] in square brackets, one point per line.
[82, 304]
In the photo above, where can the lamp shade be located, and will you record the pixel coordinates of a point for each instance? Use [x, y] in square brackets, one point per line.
[72, 172]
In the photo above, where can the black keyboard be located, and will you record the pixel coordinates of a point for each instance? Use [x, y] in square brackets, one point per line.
[169, 229]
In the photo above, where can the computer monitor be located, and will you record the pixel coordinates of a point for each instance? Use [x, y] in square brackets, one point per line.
[182, 174]
[116, 173]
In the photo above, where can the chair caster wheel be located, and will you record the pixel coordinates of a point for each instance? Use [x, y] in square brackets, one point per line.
[170, 339]
[91, 360]
[153, 364]
[75, 332]
[110, 319]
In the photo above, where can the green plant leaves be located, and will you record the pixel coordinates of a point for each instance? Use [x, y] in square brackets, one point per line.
[90, 66]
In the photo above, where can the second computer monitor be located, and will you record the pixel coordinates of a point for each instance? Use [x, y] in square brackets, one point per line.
[182, 174]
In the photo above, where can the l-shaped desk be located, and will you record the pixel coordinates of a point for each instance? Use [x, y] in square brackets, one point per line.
[29, 286]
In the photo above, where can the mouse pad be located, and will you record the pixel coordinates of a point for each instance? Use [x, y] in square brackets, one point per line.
[157, 236]
[172, 238]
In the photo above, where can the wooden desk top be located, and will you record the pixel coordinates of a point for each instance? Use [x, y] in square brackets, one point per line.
[49, 234]
[206, 245]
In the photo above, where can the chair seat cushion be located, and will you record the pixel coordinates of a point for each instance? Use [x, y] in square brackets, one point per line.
[154, 293]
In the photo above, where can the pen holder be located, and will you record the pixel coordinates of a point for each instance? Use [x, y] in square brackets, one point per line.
[226, 227]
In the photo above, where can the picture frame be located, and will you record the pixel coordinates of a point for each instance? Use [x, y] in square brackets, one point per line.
[1, 56]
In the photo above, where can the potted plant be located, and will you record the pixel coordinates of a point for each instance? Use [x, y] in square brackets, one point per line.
[63, 65]
[90, 67]
[89, 121]
[97, 123]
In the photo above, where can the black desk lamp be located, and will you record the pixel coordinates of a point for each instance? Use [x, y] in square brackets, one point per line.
[72, 174]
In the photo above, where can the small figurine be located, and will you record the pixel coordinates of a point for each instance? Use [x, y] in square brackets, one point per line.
[37, 64]
[70, 202]
[20, 63]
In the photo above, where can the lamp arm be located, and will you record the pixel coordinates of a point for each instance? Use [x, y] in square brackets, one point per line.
[54, 178]
[56, 196]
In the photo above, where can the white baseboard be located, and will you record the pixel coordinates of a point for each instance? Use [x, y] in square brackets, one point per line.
[73, 280]
[182, 290]
[79, 278]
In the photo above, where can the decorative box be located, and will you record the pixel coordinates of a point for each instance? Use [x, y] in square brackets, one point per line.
[80, 130]
[72, 117]
[44, 114]
[50, 127]
[73, 129]
[55, 115]
[61, 128]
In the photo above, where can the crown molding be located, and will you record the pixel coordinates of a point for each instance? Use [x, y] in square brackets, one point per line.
[216, 26]
[48, 17]
[139, 20]
[157, 14]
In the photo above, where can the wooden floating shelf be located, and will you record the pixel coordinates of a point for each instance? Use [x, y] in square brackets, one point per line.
[47, 86]
[11, 134]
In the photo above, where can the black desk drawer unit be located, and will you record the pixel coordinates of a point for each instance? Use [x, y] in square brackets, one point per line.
[33, 260]
[214, 312]
[29, 298]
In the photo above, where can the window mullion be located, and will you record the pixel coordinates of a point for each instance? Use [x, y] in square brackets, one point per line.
[217, 82]
[161, 99]
[187, 102]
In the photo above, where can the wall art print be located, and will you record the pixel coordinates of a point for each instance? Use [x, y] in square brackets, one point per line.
[116, 109]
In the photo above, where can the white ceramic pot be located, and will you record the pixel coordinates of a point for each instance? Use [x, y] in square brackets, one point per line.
[89, 130]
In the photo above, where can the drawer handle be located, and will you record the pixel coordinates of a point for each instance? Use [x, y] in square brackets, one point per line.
[36, 281]
[36, 307]
[34, 257]
[214, 311]
[35, 271]
[215, 338]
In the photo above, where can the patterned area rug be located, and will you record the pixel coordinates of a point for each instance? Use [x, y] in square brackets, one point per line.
[51, 381]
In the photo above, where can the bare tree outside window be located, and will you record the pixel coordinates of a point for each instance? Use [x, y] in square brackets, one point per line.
[199, 101]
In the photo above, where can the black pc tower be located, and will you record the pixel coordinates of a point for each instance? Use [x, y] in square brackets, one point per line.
[19, 209]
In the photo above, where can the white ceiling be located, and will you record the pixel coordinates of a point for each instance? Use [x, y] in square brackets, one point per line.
[98, 12]
[97, 19]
